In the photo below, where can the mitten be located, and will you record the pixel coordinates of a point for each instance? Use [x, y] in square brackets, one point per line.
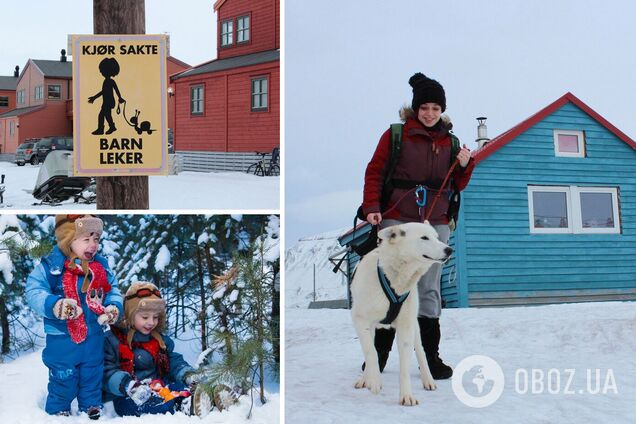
[66, 308]
[113, 314]
[191, 378]
[138, 392]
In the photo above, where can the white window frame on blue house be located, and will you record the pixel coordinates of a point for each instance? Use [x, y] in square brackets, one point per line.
[576, 206]
[574, 212]
[581, 143]
[568, 205]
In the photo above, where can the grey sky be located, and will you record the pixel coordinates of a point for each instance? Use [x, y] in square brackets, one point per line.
[38, 29]
[348, 65]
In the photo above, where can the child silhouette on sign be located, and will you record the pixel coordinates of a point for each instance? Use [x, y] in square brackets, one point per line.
[108, 68]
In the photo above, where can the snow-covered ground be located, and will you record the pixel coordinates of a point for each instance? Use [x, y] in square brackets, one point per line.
[188, 190]
[557, 344]
[23, 390]
[299, 270]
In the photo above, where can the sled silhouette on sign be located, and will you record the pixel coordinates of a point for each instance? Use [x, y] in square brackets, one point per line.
[109, 68]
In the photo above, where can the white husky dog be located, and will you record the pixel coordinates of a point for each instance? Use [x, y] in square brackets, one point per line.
[405, 253]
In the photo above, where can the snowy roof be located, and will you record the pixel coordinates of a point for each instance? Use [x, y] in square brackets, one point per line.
[503, 139]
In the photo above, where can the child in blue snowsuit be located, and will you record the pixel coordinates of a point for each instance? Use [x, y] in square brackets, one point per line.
[138, 356]
[74, 309]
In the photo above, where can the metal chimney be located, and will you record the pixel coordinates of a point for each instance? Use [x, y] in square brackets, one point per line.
[63, 57]
[482, 132]
[16, 73]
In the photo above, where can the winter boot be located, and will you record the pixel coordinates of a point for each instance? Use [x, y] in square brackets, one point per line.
[430, 332]
[224, 397]
[201, 403]
[383, 342]
[94, 412]
[204, 400]
[64, 414]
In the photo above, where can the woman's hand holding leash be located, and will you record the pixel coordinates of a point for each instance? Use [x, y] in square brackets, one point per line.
[463, 156]
[374, 218]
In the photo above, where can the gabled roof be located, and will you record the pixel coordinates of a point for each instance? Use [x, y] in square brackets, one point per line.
[178, 62]
[54, 68]
[8, 83]
[21, 111]
[218, 4]
[231, 63]
[503, 139]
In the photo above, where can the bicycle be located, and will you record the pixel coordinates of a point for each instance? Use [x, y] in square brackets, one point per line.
[263, 167]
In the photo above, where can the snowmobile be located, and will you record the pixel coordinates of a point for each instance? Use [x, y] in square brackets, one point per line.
[55, 182]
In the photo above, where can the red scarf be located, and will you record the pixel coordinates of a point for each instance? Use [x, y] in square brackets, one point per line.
[77, 327]
[127, 357]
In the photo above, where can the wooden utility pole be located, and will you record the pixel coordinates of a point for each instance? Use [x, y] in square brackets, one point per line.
[120, 17]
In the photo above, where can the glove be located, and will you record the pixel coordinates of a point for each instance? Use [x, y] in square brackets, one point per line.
[66, 308]
[138, 392]
[191, 378]
[113, 314]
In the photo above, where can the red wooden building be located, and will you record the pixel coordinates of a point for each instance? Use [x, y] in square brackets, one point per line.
[43, 106]
[7, 101]
[43, 102]
[7, 91]
[229, 108]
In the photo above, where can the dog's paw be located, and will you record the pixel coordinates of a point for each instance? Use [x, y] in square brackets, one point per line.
[373, 383]
[429, 384]
[408, 400]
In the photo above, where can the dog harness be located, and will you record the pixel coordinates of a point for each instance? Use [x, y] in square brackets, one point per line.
[395, 301]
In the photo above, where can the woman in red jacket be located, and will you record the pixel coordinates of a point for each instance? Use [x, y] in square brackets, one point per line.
[424, 159]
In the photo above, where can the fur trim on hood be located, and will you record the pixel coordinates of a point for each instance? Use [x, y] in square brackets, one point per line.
[407, 112]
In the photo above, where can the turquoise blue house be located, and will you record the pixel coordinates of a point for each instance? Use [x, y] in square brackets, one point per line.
[549, 215]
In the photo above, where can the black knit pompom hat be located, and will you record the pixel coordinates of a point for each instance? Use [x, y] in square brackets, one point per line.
[426, 90]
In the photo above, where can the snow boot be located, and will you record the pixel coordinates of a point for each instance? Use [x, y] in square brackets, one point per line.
[204, 400]
[224, 397]
[64, 414]
[94, 412]
[383, 342]
[430, 332]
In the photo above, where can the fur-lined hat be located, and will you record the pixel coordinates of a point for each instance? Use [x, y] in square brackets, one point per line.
[72, 227]
[144, 297]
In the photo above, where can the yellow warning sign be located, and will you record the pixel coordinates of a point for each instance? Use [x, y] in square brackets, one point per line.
[119, 105]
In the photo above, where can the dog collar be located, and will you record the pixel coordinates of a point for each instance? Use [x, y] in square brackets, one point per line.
[395, 301]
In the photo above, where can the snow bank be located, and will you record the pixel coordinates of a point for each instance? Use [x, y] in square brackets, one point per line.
[323, 359]
[24, 382]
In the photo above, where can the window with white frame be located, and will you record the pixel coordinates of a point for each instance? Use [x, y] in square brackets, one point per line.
[227, 33]
[259, 93]
[243, 29]
[196, 100]
[39, 92]
[11, 127]
[20, 97]
[569, 143]
[573, 209]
